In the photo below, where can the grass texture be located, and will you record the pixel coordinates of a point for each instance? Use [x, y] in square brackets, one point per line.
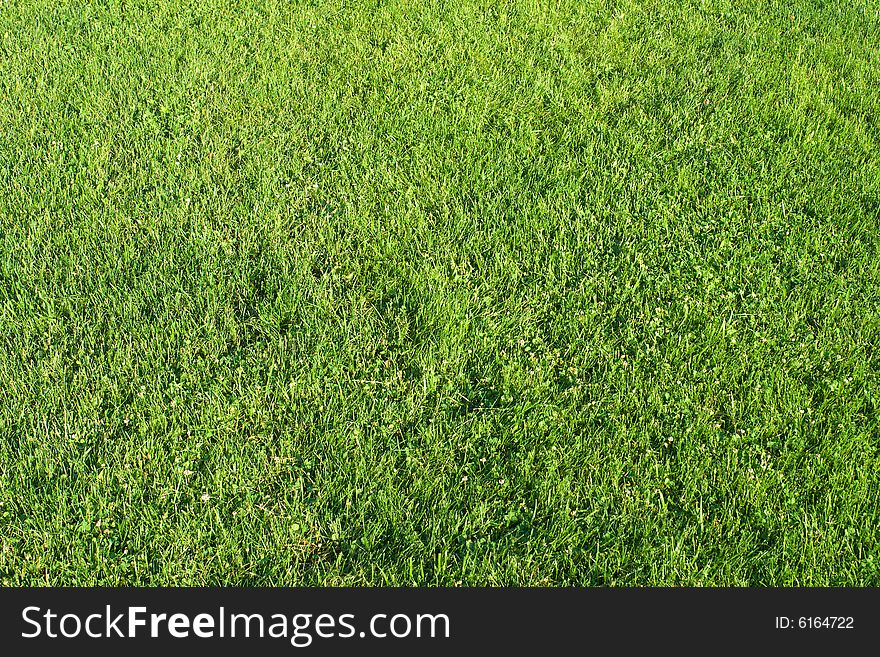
[429, 292]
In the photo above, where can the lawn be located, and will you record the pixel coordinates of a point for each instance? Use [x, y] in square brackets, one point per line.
[423, 292]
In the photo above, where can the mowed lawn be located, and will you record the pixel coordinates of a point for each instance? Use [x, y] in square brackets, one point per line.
[423, 292]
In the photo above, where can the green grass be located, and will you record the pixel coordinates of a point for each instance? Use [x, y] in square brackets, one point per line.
[535, 292]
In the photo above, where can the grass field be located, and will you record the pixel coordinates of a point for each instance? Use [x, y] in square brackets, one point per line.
[525, 292]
